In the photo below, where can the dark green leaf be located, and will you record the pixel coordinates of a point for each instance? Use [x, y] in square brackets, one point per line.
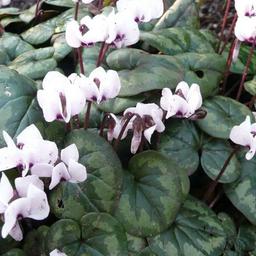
[35, 242]
[140, 72]
[153, 192]
[214, 155]
[35, 63]
[13, 45]
[180, 142]
[242, 192]
[222, 114]
[172, 41]
[250, 86]
[195, 232]
[101, 190]
[97, 234]
[181, 13]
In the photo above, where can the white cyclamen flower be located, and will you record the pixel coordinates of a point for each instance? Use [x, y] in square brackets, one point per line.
[4, 2]
[245, 29]
[88, 32]
[60, 99]
[244, 135]
[69, 169]
[245, 7]
[115, 127]
[142, 10]
[101, 85]
[122, 30]
[21, 184]
[34, 206]
[56, 252]
[147, 119]
[184, 102]
[29, 150]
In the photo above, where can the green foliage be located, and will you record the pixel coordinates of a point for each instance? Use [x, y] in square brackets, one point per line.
[101, 190]
[139, 205]
[181, 143]
[195, 232]
[225, 112]
[96, 234]
[242, 192]
[214, 154]
[153, 191]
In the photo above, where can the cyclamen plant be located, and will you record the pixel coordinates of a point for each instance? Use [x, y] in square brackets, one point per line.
[125, 138]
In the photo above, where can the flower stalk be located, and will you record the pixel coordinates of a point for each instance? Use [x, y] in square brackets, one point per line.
[214, 183]
[248, 62]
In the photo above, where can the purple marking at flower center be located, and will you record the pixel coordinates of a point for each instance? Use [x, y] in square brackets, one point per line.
[119, 37]
[20, 145]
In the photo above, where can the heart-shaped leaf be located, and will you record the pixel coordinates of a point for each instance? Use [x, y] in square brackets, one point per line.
[196, 231]
[61, 48]
[97, 234]
[205, 70]
[118, 104]
[214, 154]
[172, 41]
[45, 30]
[222, 114]
[250, 86]
[101, 190]
[153, 191]
[182, 13]
[134, 66]
[180, 142]
[62, 3]
[14, 252]
[242, 192]
[13, 45]
[34, 243]
[246, 239]
[36, 63]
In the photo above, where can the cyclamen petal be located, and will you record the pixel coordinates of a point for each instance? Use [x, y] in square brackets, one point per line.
[61, 101]
[19, 207]
[77, 172]
[16, 232]
[241, 134]
[245, 29]
[59, 172]
[122, 30]
[69, 153]
[6, 192]
[56, 252]
[40, 208]
[244, 135]
[22, 184]
[73, 34]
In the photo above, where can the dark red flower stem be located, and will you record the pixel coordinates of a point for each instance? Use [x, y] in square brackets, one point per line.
[37, 8]
[100, 4]
[228, 65]
[248, 62]
[76, 10]
[103, 50]
[224, 21]
[214, 183]
[102, 125]
[229, 34]
[117, 141]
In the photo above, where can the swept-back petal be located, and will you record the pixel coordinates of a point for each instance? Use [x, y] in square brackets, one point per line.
[22, 184]
[59, 172]
[69, 153]
[241, 134]
[29, 134]
[6, 192]
[40, 208]
[77, 172]
[42, 170]
[18, 208]
[73, 35]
